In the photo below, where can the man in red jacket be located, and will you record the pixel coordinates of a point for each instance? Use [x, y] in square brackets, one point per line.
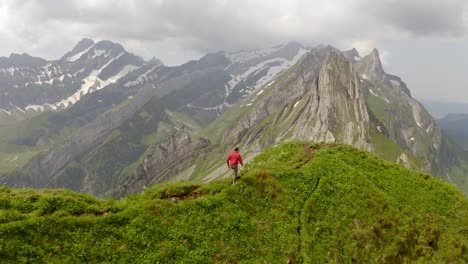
[232, 161]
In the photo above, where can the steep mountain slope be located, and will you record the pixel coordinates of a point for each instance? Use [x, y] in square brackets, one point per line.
[320, 99]
[398, 116]
[298, 202]
[324, 97]
[403, 120]
[158, 123]
[139, 110]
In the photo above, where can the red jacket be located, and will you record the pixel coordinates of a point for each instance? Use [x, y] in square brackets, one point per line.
[234, 158]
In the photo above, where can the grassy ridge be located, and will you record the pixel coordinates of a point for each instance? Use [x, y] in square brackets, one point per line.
[298, 202]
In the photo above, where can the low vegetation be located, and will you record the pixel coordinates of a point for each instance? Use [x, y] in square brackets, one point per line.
[298, 202]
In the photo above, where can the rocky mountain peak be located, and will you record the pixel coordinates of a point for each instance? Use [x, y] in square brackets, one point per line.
[352, 55]
[320, 100]
[21, 60]
[154, 61]
[292, 47]
[374, 58]
[109, 46]
[81, 46]
[340, 109]
[88, 46]
[371, 66]
[354, 52]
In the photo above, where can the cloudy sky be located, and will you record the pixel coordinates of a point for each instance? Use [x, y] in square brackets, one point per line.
[423, 41]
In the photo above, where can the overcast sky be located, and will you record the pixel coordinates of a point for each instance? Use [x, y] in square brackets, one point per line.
[423, 41]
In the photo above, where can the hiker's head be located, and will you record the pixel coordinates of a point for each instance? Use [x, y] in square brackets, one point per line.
[236, 149]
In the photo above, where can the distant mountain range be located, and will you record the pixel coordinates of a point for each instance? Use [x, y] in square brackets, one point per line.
[104, 121]
[452, 117]
[456, 126]
[440, 109]
[30, 85]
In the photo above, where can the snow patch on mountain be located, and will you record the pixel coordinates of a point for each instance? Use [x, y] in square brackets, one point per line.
[9, 70]
[273, 71]
[244, 56]
[21, 110]
[276, 70]
[217, 108]
[144, 77]
[40, 108]
[416, 110]
[79, 54]
[91, 83]
[99, 52]
[125, 70]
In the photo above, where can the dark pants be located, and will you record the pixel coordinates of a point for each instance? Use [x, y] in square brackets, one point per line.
[235, 168]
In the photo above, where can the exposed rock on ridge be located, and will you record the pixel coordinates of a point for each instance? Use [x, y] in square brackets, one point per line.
[336, 110]
[320, 100]
[167, 159]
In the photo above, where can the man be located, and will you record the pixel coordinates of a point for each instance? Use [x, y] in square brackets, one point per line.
[233, 161]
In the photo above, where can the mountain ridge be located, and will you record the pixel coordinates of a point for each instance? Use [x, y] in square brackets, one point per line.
[176, 89]
[249, 98]
[393, 124]
[296, 202]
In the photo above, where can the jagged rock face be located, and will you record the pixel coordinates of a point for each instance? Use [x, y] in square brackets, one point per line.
[398, 116]
[371, 66]
[21, 60]
[336, 110]
[352, 55]
[166, 160]
[320, 100]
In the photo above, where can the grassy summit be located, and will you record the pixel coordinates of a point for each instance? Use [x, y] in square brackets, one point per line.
[298, 202]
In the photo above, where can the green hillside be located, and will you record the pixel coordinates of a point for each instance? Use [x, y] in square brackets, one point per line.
[296, 203]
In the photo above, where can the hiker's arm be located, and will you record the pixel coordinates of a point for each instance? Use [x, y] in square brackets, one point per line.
[240, 161]
[227, 161]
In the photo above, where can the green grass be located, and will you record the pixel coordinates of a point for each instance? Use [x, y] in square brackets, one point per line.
[10, 162]
[183, 119]
[296, 203]
[13, 156]
[377, 106]
[385, 148]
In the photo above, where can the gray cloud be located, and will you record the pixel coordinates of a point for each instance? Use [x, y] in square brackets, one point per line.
[421, 17]
[207, 25]
[407, 32]
[178, 30]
